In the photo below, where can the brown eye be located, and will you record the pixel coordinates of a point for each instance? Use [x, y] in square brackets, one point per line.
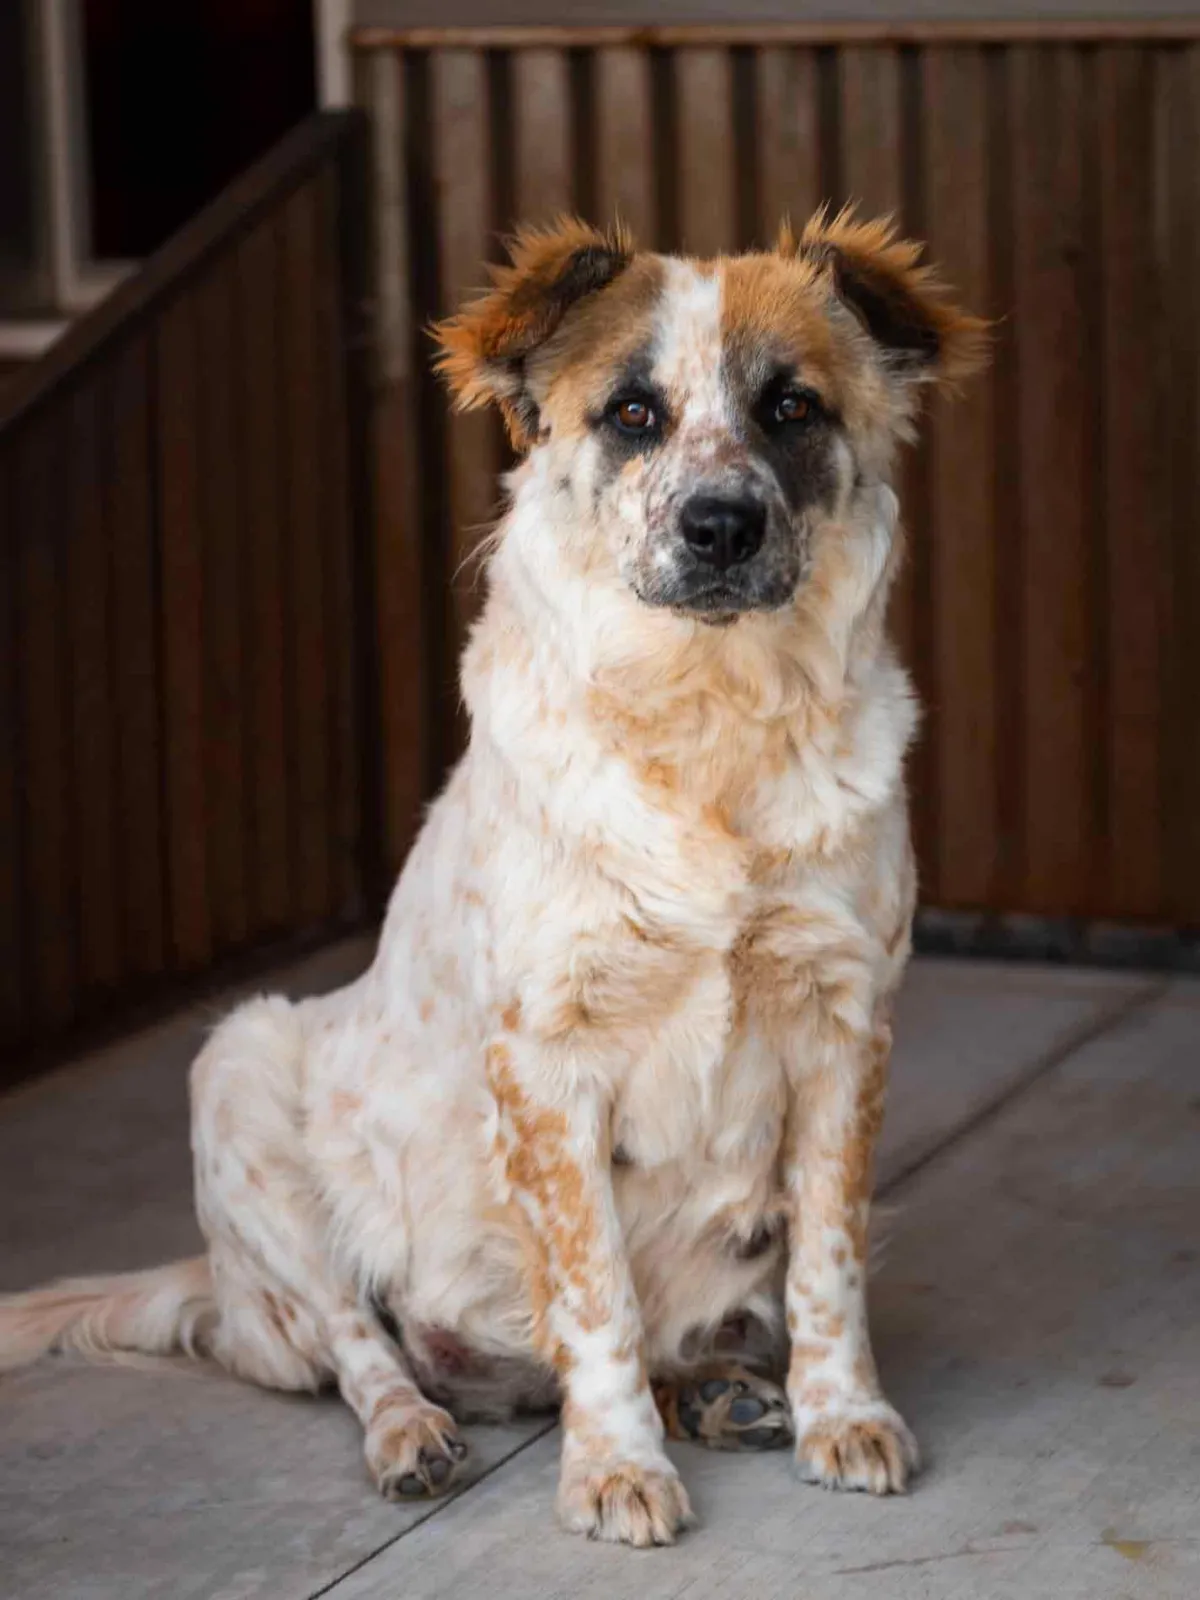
[635, 416]
[793, 407]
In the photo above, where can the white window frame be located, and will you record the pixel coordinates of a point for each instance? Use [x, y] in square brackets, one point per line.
[332, 20]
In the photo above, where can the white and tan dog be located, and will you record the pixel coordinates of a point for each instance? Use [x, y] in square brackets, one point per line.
[611, 1088]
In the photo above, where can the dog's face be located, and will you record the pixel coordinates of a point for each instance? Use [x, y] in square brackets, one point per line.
[700, 419]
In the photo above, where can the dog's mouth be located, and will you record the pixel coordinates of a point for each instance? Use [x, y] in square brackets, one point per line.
[693, 590]
[719, 605]
[716, 608]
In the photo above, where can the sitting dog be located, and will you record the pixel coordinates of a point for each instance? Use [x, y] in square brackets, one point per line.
[605, 1103]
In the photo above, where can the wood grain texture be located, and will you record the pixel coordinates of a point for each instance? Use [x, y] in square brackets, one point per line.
[133, 534]
[268, 686]
[46, 773]
[961, 536]
[870, 91]
[460, 153]
[337, 533]
[181, 559]
[176, 483]
[704, 135]
[405, 656]
[788, 137]
[224, 538]
[1178, 95]
[1059, 515]
[307, 624]
[1035, 584]
[624, 140]
[88, 578]
[870, 163]
[872, 22]
[1134, 416]
[544, 157]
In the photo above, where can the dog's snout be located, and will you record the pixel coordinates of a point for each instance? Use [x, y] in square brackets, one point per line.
[723, 531]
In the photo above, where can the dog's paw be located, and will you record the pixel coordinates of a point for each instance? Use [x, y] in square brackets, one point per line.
[417, 1455]
[624, 1503]
[726, 1408]
[866, 1446]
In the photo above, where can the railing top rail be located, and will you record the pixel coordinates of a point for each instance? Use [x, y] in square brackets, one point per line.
[885, 31]
[232, 214]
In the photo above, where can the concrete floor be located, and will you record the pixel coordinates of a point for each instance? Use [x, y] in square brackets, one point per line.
[1037, 1313]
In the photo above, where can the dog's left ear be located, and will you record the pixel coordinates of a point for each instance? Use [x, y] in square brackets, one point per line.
[484, 349]
[903, 305]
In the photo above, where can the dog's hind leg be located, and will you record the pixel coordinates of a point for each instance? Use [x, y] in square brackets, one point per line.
[286, 1317]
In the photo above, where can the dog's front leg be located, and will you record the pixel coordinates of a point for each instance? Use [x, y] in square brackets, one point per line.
[617, 1482]
[847, 1435]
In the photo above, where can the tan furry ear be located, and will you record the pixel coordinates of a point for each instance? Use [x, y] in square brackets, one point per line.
[485, 346]
[903, 305]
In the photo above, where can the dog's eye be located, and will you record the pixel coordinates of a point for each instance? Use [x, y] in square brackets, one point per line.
[793, 406]
[634, 415]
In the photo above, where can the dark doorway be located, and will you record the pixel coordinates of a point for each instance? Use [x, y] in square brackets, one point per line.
[181, 98]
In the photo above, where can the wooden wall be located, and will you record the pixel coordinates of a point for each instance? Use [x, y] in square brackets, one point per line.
[1051, 608]
[182, 619]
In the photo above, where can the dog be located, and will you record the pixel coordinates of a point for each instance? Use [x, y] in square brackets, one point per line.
[596, 1127]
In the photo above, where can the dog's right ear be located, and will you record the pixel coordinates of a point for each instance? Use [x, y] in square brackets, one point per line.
[485, 347]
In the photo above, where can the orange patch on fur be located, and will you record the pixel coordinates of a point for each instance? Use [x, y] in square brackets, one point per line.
[872, 264]
[540, 1165]
[807, 1353]
[492, 351]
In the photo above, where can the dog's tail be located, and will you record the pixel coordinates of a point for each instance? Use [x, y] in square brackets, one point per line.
[167, 1311]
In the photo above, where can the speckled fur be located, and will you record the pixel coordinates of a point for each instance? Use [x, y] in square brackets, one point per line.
[660, 907]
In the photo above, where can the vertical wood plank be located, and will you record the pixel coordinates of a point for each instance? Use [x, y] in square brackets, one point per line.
[303, 471]
[183, 625]
[1178, 233]
[93, 733]
[542, 113]
[268, 710]
[12, 944]
[870, 166]
[961, 488]
[404, 643]
[869, 89]
[336, 533]
[625, 140]
[871, 171]
[1132, 477]
[788, 138]
[139, 634]
[46, 775]
[223, 538]
[707, 209]
[1055, 515]
[460, 136]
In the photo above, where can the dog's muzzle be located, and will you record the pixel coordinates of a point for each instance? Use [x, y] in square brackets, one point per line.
[728, 560]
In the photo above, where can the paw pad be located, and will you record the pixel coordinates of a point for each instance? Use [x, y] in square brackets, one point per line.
[733, 1410]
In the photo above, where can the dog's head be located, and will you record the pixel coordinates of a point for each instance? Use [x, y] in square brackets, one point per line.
[698, 420]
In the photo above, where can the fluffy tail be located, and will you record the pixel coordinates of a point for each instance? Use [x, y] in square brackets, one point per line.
[166, 1311]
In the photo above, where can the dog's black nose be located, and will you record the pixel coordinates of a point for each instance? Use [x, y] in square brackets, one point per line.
[722, 532]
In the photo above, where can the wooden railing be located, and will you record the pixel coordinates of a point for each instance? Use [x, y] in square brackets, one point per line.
[187, 674]
[1051, 607]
